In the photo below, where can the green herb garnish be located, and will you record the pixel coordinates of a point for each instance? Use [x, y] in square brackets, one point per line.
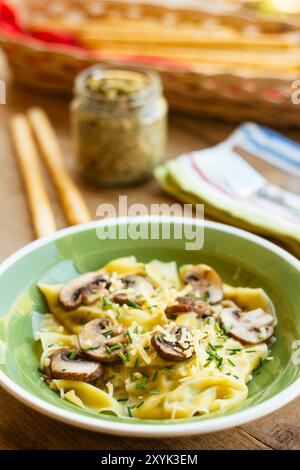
[128, 336]
[114, 347]
[73, 355]
[122, 357]
[92, 348]
[168, 370]
[106, 302]
[107, 333]
[132, 304]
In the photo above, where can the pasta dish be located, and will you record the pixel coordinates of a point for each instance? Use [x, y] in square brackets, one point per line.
[150, 341]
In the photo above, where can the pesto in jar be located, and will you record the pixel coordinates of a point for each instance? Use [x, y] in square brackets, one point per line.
[119, 122]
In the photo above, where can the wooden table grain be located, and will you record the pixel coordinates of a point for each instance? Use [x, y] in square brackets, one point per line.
[23, 428]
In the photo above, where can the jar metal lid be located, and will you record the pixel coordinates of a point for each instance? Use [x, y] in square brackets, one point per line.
[145, 84]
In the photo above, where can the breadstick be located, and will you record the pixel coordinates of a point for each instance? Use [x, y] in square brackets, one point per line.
[28, 160]
[74, 206]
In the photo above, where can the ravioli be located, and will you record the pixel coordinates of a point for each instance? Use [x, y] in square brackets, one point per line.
[159, 337]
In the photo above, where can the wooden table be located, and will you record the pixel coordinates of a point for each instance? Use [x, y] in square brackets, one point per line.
[22, 428]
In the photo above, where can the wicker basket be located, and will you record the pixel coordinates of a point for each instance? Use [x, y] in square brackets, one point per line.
[235, 95]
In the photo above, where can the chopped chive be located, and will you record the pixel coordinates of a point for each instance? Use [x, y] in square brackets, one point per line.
[115, 347]
[132, 304]
[107, 333]
[106, 302]
[73, 355]
[220, 362]
[129, 411]
[127, 354]
[136, 362]
[168, 370]
[122, 357]
[230, 362]
[228, 373]
[50, 345]
[146, 347]
[155, 392]
[212, 346]
[222, 337]
[140, 404]
[122, 399]
[129, 336]
[141, 386]
[233, 350]
[261, 361]
[218, 328]
[92, 348]
[154, 376]
[236, 376]
[251, 351]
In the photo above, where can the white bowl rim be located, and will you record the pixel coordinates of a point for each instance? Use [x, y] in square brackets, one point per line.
[148, 429]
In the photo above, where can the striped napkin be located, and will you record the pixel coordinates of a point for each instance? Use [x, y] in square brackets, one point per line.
[241, 181]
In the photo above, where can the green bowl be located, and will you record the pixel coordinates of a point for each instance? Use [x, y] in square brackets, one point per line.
[79, 249]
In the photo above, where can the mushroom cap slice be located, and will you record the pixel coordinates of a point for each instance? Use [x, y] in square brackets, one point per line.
[84, 289]
[205, 282]
[139, 287]
[251, 327]
[139, 283]
[62, 366]
[176, 345]
[101, 340]
[186, 304]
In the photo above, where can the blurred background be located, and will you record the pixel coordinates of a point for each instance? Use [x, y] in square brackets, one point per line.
[229, 59]
[222, 63]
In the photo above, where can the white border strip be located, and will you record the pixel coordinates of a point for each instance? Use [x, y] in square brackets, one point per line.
[151, 430]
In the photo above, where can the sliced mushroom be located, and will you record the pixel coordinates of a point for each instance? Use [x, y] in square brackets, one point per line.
[186, 304]
[175, 345]
[205, 282]
[251, 327]
[84, 289]
[68, 364]
[139, 284]
[100, 340]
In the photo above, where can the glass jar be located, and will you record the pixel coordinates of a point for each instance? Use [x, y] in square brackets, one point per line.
[119, 122]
